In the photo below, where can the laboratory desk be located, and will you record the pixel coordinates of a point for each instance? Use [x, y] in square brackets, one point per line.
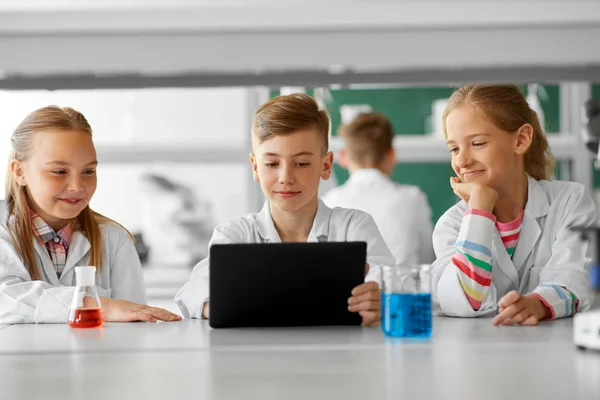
[464, 359]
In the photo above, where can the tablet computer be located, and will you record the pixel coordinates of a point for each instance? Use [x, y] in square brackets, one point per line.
[284, 284]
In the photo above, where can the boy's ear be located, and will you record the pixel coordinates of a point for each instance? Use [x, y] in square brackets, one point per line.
[16, 168]
[524, 137]
[327, 166]
[390, 161]
[254, 167]
[343, 158]
[391, 156]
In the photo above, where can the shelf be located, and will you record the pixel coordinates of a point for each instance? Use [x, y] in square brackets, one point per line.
[418, 148]
[409, 148]
[297, 15]
[138, 154]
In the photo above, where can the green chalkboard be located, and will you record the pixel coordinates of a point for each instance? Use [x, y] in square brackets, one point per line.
[432, 178]
[409, 110]
[596, 92]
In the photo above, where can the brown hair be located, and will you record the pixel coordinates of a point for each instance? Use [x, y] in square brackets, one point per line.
[291, 113]
[17, 197]
[368, 138]
[508, 109]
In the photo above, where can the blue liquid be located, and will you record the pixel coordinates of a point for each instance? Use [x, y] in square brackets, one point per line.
[595, 276]
[406, 315]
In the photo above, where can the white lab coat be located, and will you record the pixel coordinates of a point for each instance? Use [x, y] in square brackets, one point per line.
[401, 212]
[49, 299]
[329, 225]
[547, 250]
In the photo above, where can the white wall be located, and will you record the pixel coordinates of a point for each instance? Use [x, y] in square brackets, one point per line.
[197, 116]
[205, 117]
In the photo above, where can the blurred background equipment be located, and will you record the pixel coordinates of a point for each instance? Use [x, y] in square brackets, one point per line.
[141, 247]
[177, 225]
[591, 132]
[586, 326]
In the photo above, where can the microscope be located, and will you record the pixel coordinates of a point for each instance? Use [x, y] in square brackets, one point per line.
[586, 326]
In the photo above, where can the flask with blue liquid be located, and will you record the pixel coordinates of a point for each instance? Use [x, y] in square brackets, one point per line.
[406, 301]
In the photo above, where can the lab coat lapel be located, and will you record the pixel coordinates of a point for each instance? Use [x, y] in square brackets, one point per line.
[536, 208]
[265, 226]
[319, 231]
[78, 249]
[510, 278]
[530, 233]
[44, 257]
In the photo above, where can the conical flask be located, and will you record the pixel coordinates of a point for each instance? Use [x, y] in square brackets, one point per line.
[86, 311]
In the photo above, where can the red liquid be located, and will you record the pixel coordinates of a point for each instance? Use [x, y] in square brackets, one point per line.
[87, 318]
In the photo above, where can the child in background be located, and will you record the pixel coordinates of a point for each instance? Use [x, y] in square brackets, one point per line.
[50, 228]
[290, 156]
[402, 212]
[508, 247]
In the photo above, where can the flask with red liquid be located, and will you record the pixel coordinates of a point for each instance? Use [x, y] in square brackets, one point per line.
[86, 311]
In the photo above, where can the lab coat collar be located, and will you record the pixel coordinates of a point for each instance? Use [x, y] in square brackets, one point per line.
[537, 200]
[318, 233]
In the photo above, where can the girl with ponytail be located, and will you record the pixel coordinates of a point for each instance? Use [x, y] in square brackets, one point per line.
[507, 248]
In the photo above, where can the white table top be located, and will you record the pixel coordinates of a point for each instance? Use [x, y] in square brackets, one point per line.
[195, 335]
[465, 359]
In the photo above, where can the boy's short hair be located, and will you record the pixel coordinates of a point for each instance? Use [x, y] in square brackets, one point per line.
[367, 139]
[290, 113]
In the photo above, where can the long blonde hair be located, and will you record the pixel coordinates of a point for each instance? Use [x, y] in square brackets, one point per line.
[507, 108]
[17, 198]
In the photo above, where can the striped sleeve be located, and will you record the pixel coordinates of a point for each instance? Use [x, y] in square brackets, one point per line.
[473, 256]
[561, 302]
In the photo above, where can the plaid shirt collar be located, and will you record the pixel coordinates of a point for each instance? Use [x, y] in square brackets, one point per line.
[44, 233]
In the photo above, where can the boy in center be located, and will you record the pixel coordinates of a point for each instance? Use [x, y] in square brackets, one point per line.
[290, 156]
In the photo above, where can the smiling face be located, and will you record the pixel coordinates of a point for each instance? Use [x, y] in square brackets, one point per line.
[289, 168]
[59, 174]
[483, 153]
